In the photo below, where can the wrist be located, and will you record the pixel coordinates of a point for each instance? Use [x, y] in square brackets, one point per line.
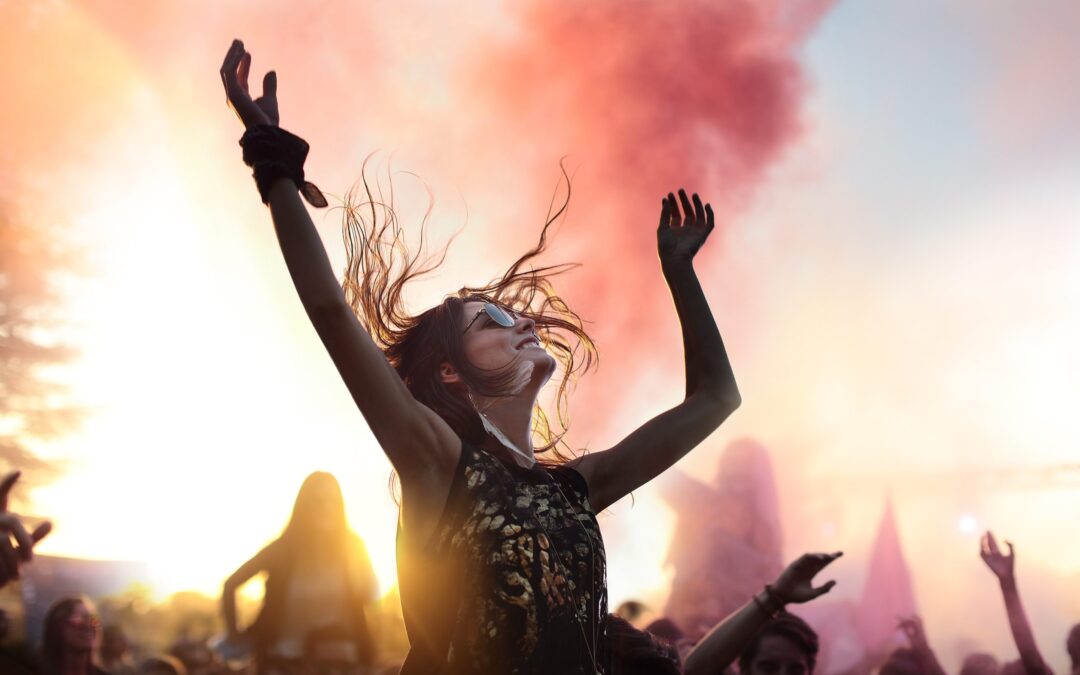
[769, 602]
[676, 265]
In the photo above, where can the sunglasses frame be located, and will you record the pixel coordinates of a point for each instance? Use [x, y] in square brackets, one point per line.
[496, 313]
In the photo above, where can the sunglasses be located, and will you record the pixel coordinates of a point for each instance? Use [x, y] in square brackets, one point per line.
[499, 315]
[84, 622]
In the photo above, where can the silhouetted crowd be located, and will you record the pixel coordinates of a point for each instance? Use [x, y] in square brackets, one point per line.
[75, 642]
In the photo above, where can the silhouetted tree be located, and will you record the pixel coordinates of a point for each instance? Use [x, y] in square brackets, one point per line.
[33, 260]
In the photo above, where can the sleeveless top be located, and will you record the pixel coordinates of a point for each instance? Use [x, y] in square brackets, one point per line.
[512, 580]
[271, 625]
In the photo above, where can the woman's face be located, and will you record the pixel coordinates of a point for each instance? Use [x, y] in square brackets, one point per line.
[80, 629]
[489, 345]
[778, 655]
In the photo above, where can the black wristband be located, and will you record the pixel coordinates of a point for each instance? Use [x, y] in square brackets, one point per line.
[274, 153]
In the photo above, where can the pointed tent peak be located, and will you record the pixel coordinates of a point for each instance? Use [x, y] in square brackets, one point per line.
[888, 592]
[888, 548]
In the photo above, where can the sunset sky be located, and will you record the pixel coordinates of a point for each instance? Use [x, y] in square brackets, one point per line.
[896, 272]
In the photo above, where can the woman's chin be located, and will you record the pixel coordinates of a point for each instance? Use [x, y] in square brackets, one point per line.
[543, 367]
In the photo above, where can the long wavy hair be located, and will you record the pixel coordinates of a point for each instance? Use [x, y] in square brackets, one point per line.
[53, 647]
[307, 529]
[381, 264]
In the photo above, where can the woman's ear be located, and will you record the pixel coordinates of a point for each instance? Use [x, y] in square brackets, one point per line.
[449, 374]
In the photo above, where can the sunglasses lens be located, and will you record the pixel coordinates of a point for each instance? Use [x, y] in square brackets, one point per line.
[499, 315]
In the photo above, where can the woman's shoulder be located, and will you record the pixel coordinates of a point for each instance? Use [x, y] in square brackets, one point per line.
[567, 476]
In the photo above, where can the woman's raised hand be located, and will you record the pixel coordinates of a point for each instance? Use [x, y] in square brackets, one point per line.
[681, 233]
[999, 563]
[795, 583]
[234, 75]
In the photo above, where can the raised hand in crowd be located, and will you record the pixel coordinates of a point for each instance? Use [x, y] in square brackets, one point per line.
[726, 641]
[1003, 566]
[14, 555]
[916, 635]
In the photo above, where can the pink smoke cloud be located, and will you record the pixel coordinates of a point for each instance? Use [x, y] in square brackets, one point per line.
[644, 99]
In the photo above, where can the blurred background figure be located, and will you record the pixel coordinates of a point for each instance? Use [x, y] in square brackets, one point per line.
[1072, 644]
[319, 589]
[980, 663]
[162, 665]
[196, 657]
[116, 652]
[71, 638]
[786, 645]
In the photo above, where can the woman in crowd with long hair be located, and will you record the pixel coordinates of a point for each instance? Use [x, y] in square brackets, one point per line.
[72, 629]
[319, 586]
[501, 562]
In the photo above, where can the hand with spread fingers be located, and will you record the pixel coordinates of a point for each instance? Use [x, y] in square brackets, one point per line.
[234, 75]
[1000, 564]
[795, 583]
[685, 224]
[14, 555]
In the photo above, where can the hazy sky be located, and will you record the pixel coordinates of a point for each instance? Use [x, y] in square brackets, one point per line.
[896, 275]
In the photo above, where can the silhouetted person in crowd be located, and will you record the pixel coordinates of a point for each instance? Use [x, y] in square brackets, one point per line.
[919, 646]
[1003, 566]
[980, 663]
[761, 634]
[902, 661]
[163, 664]
[501, 560]
[196, 656]
[116, 652]
[72, 629]
[1072, 645]
[318, 588]
[785, 645]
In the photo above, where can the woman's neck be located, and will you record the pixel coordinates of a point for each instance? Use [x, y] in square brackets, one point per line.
[513, 418]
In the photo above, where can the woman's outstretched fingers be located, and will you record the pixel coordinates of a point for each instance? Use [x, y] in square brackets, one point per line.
[688, 208]
[244, 70]
[676, 217]
[665, 215]
[822, 590]
[699, 210]
[232, 56]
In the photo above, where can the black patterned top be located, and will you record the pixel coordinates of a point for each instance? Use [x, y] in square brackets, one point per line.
[513, 579]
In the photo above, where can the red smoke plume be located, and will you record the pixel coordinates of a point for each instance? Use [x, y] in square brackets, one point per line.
[644, 97]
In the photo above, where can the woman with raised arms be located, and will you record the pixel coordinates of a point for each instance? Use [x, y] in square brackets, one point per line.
[501, 562]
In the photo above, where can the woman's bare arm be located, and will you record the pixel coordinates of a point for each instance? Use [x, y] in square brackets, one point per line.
[1003, 566]
[711, 394]
[419, 444]
[412, 435]
[721, 647]
[260, 563]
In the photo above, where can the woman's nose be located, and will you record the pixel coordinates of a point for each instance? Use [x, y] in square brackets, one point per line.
[525, 324]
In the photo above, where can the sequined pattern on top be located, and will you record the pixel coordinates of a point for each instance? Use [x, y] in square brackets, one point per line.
[532, 562]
